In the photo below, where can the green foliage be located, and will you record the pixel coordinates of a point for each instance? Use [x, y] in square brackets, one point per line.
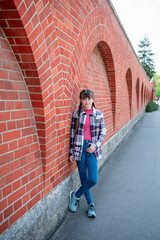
[157, 78]
[157, 93]
[151, 106]
[145, 56]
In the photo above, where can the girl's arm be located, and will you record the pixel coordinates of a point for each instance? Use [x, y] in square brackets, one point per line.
[73, 131]
[102, 132]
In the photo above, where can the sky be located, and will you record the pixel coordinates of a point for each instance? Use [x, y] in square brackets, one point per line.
[140, 18]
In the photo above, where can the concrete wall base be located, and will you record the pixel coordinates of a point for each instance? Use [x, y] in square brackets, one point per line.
[44, 217]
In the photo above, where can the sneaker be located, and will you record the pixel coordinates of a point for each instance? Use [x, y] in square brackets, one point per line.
[91, 211]
[73, 202]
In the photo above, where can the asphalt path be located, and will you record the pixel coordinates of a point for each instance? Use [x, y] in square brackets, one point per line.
[127, 196]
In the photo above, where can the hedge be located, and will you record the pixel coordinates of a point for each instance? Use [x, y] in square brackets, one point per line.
[151, 106]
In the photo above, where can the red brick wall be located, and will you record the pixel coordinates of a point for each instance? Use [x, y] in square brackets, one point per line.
[49, 51]
[21, 168]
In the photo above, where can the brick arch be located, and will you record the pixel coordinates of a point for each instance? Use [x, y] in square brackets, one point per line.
[106, 54]
[21, 166]
[96, 67]
[137, 93]
[145, 95]
[97, 35]
[25, 35]
[109, 66]
[142, 96]
[148, 95]
[129, 86]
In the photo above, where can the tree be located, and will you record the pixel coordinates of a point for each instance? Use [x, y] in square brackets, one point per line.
[157, 78]
[145, 56]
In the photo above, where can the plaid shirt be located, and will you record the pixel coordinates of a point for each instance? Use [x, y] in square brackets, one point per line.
[98, 132]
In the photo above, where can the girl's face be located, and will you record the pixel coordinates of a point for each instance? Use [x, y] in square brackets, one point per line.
[87, 103]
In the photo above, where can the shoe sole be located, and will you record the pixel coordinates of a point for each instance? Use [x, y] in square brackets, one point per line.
[70, 203]
[91, 216]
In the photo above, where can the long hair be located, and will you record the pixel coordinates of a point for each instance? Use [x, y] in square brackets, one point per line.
[87, 93]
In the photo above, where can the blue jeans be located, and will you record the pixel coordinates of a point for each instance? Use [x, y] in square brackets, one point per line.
[88, 172]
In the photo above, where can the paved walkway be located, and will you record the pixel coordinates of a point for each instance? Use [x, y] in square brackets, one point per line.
[127, 196]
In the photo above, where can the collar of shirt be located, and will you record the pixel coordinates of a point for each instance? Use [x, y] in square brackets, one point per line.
[93, 113]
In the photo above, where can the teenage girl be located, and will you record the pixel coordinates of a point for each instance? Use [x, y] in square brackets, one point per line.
[87, 134]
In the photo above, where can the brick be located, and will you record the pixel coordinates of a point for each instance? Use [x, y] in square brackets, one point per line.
[4, 170]
[17, 204]
[26, 198]
[26, 105]
[6, 55]
[45, 12]
[36, 32]
[32, 175]
[25, 180]
[11, 125]
[33, 193]
[19, 105]
[4, 226]
[29, 28]
[3, 204]
[10, 104]
[8, 212]
[15, 76]
[20, 124]
[9, 95]
[33, 201]
[29, 139]
[8, 136]
[22, 161]
[28, 65]
[3, 74]
[31, 73]
[22, 9]
[27, 58]
[28, 15]
[18, 86]
[39, 7]
[13, 145]
[35, 20]
[28, 131]
[6, 191]
[17, 32]
[14, 175]
[22, 152]
[14, 165]
[18, 214]
[32, 184]
[22, 41]
[1, 84]
[4, 116]
[18, 114]
[8, 157]
[2, 106]
[16, 185]
[22, 49]
[7, 5]
[3, 148]
[1, 217]
[16, 195]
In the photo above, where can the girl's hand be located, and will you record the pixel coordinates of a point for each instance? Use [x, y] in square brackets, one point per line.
[71, 158]
[91, 149]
